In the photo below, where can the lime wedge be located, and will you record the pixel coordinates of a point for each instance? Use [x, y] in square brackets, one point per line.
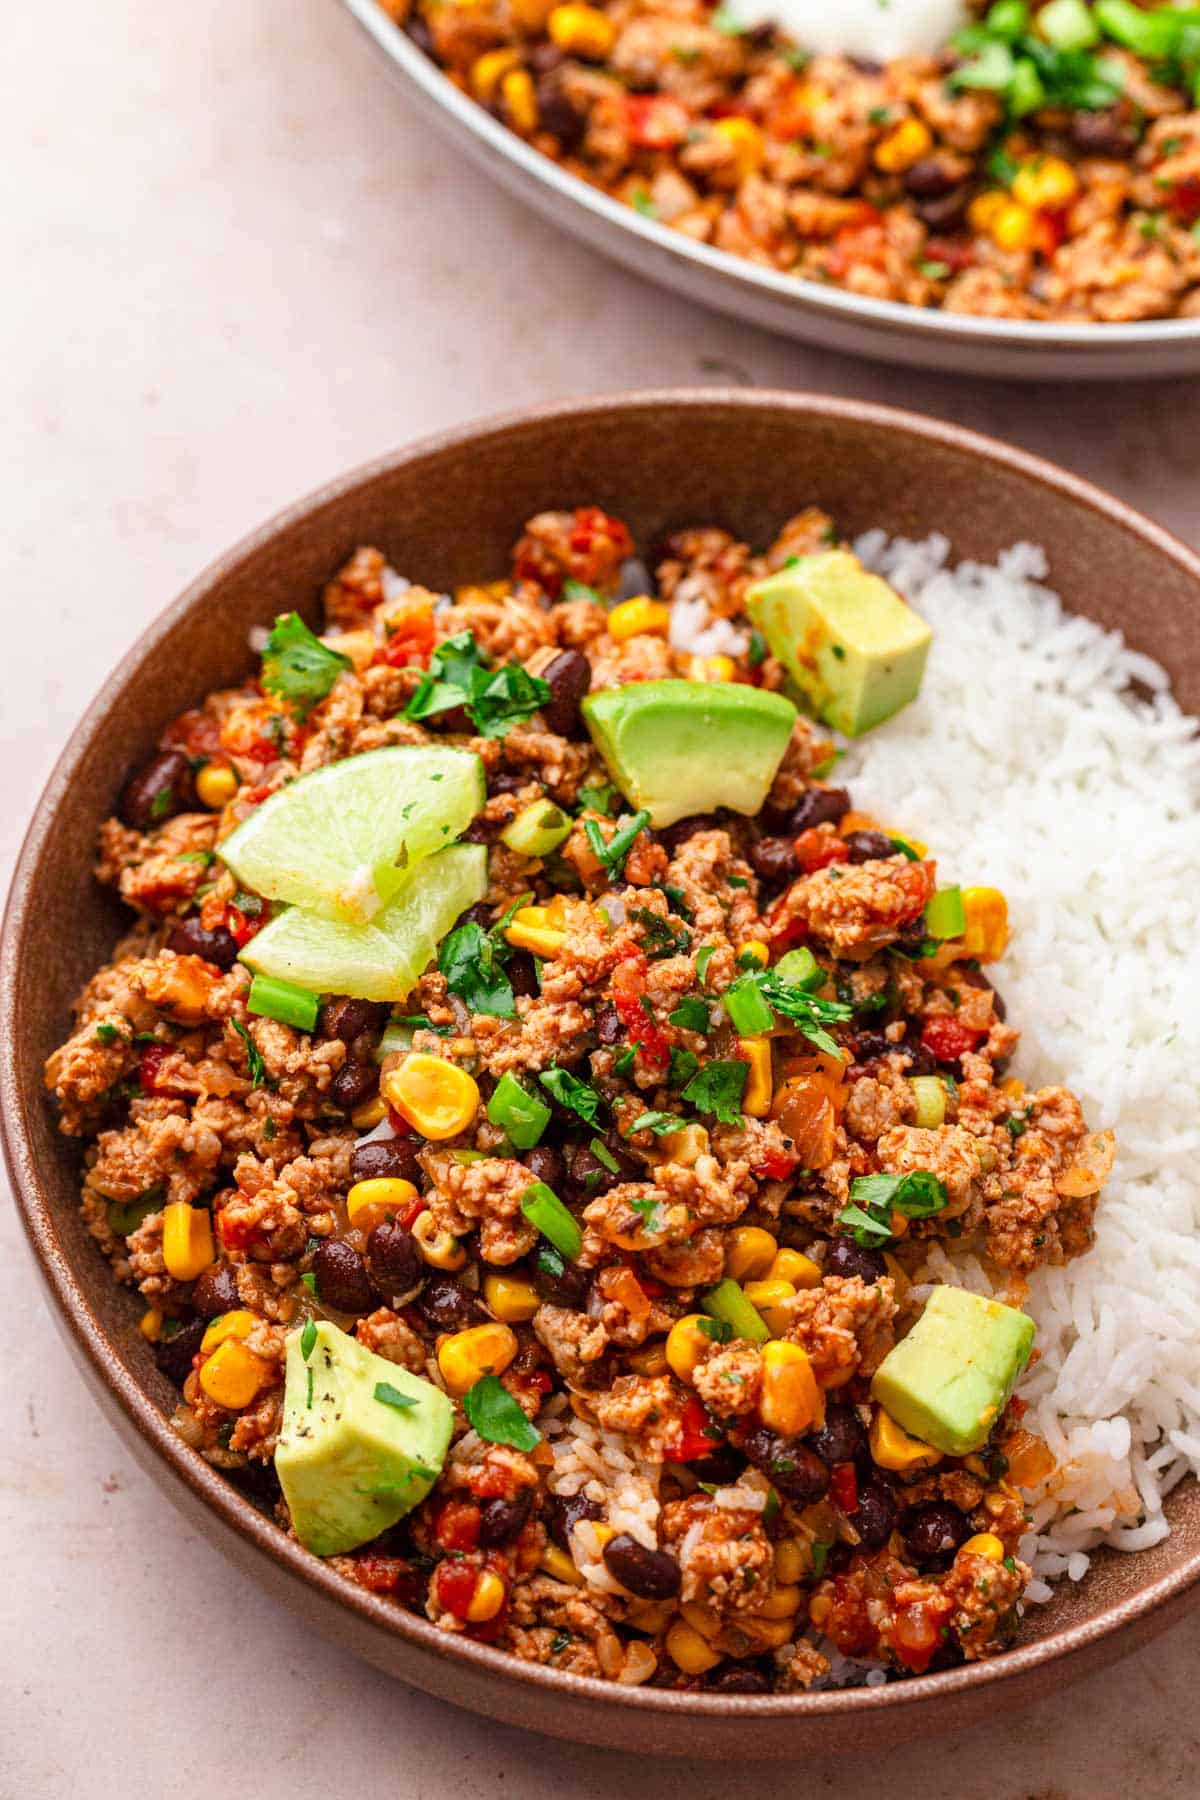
[345, 839]
[382, 960]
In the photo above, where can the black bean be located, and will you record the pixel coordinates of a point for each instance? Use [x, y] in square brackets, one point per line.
[348, 1019]
[505, 781]
[672, 837]
[875, 1514]
[1103, 134]
[868, 846]
[609, 1030]
[503, 1520]
[559, 1283]
[774, 860]
[416, 29]
[174, 1355]
[819, 806]
[933, 1532]
[560, 1512]
[845, 1258]
[342, 1279]
[842, 1438]
[798, 1472]
[721, 1469]
[448, 1306]
[259, 1482]
[556, 114]
[921, 1061]
[870, 1045]
[545, 1163]
[479, 914]
[395, 1157]
[455, 718]
[522, 974]
[393, 1258]
[930, 178]
[354, 1083]
[189, 938]
[156, 790]
[650, 1574]
[568, 676]
[741, 1678]
[545, 57]
[215, 1291]
[945, 214]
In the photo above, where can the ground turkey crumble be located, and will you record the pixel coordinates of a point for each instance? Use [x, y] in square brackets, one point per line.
[752, 1545]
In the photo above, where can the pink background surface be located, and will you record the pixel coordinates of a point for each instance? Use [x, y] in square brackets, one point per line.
[235, 267]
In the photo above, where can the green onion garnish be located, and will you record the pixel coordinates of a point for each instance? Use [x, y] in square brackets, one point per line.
[283, 1000]
[522, 1116]
[748, 1012]
[727, 1302]
[546, 1212]
[944, 916]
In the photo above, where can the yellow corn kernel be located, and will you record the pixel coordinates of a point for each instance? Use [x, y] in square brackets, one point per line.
[791, 1562]
[531, 15]
[749, 146]
[982, 214]
[898, 1274]
[359, 646]
[759, 1090]
[582, 31]
[237, 1324]
[1014, 227]
[532, 929]
[793, 1266]
[1012, 1089]
[688, 1650]
[520, 100]
[984, 1543]
[603, 1534]
[996, 1502]
[749, 1253]
[929, 1093]
[488, 1598]
[187, 1244]
[986, 912]
[386, 1193]
[901, 148]
[782, 1603]
[437, 1247]
[639, 617]
[488, 69]
[711, 668]
[650, 1615]
[770, 1634]
[755, 951]
[893, 1448]
[216, 784]
[233, 1375]
[905, 837]
[466, 1356]
[436, 1097]
[700, 1618]
[819, 1608]
[556, 1562]
[371, 1112]
[510, 1300]
[685, 1146]
[652, 1360]
[1046, 182]
[687, 1345]
[790, 1400]
[769, 1298]
[150, 1325]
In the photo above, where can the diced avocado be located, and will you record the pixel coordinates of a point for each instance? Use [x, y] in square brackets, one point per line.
[683, 747]
[949, 1380]
[853, 648]
[362, 1440]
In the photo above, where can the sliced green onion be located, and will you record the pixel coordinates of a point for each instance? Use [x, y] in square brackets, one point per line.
[537, 829]
[395, 1037]
[726, 1301]
[1150, 34]
[1026, 92]
[748, 1012]
[992, 69]
[1007, 18]
[929, 1092]
[800, 968]
[944, 916]
[125, 1217]
[1068, 25]
[272, 998]
[522, 1116]
[546, 1212]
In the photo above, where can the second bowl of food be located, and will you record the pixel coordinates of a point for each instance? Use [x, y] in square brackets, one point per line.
[596, 1125]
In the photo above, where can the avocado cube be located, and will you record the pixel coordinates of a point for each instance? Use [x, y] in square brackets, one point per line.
[683, 747]
[854, 650]
[361, 1443]
[949, 1380]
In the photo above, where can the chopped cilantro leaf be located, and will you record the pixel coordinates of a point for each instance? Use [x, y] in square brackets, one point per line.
[108, 1034]
[494, 699]
[603, 1154]
[579, 1096]
[682, 1066]
[255, 1065]
[496, 1416]
[660, 1123]
[297, 666]
[579, 590]
[690, 1015]
[917, 1195]
[308, 1338]
[704, 956]
[719, 1331]
[718, 1090]
[388, 1395]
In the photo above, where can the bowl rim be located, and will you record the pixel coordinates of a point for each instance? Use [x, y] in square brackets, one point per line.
[84, 1328]
[889, 316]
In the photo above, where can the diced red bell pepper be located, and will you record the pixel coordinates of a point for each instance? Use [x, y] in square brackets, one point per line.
[947, 1039]
[818, 849]
[697, 1435]
[413, 1211]
[628, 987]
[241, 927]
[237, 1233]
[655, 121]
[843, 1485]
[1185, 200]
[454, 1585]
[956, 256]
[150, 1066]
[775, 1166]
[1051, 231]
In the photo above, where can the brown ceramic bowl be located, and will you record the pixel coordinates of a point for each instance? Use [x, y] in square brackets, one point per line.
[448, 510]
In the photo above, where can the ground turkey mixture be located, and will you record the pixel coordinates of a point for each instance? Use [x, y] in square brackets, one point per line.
[1007, 177]
[752, 1515]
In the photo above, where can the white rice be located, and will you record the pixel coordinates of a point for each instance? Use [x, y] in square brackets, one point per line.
[1026, 764]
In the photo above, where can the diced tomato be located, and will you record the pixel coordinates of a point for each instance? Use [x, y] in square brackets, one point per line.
[956, 256]
[196, 733]
[917, 1631]
[237, 1233]
[655, 122]
[242, 928]
[457, 1525]
[849, 1624]
[150, 1067]
[946, 1039]
[1051, 232]
[410, 639]
[775, 1166]
[454, 1585]
[413, 1211]
[399, 1123]
[843, 1485]
[1018, 1407]
[628, 987]
[697, 1435]
[856, 245]
[380, 1574]
[818, 849]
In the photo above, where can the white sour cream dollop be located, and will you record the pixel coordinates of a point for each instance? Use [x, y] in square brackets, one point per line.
[876, 29]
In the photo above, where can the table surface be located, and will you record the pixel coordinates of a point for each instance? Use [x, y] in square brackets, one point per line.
[237, 267]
